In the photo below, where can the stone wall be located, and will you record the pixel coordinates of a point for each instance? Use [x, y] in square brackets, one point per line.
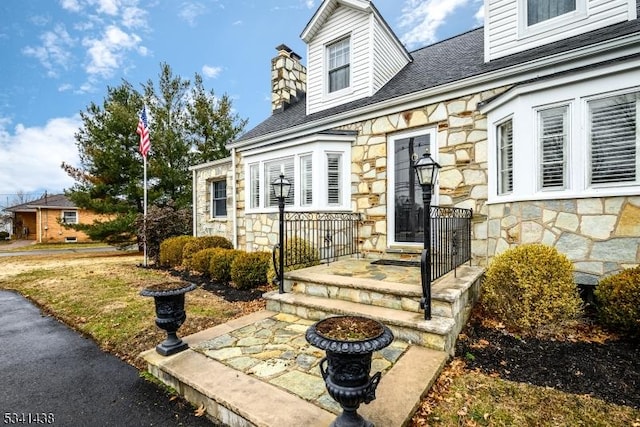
[288, 78]
[205, 224]
[462, 145]
[600, 235]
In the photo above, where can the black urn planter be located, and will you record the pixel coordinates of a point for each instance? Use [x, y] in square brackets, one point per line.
[170, 314]
[347, 364]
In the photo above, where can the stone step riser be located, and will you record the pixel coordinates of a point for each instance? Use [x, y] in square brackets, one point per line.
[439, 307]
[423, 338]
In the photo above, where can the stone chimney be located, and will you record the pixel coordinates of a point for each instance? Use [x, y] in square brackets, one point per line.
[288, 79]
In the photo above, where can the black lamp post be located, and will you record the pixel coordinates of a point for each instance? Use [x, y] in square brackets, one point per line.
[427, 171]
[281, 187]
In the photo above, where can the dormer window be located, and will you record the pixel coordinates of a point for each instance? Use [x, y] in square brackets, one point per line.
[543, 10]
[338, 54]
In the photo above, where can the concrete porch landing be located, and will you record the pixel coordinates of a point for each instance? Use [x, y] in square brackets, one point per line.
[258, 370]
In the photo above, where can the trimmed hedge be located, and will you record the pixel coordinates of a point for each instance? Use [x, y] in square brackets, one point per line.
[197, 244]
[618, 300]
[220, 264]
[171, 250]
[531, 286]
[249, 269]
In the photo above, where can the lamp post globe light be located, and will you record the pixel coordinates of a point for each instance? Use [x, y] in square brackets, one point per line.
[281, 188]
[427, 171]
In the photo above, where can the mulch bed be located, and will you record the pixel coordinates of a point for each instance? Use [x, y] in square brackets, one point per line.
[607, 368]
[224, 291]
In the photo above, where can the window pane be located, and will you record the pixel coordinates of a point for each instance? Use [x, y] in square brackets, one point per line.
[553, 140]
[273, 171]
[333, 179]
[505, 157]
[338, 64]
[70, 217]
[542, 10]
[306, 181]
[219, 198]
[614, 139]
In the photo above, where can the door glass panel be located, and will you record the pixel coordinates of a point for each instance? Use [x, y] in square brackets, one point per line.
[409, 209]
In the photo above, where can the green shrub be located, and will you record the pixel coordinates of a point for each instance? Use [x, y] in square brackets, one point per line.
[199, 261]
[249, 269]
[618, 300]
[199, 243]
[530, 287]
[296, 249]
[171, 250]
[220, 264]
[4, 235]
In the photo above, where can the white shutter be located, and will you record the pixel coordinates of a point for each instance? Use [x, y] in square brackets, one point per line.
[553, 142]
[254, 177]
[505, 157]
[273, 171]
[306, 180]
[334, 187]
[614, 139]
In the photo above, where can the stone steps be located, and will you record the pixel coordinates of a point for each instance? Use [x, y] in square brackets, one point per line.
[314, 295]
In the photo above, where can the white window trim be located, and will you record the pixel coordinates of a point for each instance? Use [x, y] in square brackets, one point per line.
[77, 221]
[212, 199]
[567, 148]
[327, 96]
[318, 150]
[498, 174]
[391, 180]
[554, 24]
[578, 159]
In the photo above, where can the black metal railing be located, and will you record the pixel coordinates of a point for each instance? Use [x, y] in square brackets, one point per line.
[450, 239]
[330, 234]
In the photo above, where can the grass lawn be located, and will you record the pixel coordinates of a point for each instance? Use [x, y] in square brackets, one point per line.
[98, 295]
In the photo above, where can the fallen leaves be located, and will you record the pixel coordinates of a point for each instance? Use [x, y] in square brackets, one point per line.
[200, 411]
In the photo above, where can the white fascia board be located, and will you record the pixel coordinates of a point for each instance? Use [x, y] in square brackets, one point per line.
[324, 137]
[211, 163]
[556, 82]
[623, 46]
[319, 17]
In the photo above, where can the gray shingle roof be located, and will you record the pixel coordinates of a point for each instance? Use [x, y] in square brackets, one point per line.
[451, 60]
[49, 201]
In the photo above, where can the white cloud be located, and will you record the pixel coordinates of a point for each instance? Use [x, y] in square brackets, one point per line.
[108, 53]
[65, 87]
[191, 11]
[309, 4]
[72, 5]
[479, 16]
[54, 52]
[134, 17]
[32, 156]
[210, 71]
[110, 7]
[238, 22]
[421, 19]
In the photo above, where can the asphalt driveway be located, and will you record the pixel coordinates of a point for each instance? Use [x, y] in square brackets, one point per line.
[49, 369]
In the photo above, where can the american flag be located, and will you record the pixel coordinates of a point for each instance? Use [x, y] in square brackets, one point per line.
[143, 131]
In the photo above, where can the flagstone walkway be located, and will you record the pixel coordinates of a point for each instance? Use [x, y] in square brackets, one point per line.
[274, 350]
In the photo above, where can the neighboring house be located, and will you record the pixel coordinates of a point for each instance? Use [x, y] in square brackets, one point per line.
[534, 119]
[43, 220]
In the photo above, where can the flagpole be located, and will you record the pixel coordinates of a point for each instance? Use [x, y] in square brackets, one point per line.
[144, 220]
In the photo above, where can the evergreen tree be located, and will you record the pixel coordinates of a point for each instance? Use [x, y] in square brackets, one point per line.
[188, 125]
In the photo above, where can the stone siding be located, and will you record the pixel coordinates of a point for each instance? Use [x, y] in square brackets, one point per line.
[205, 224]
[600, 235]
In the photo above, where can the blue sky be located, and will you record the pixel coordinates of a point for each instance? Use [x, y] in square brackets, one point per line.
[60, 55]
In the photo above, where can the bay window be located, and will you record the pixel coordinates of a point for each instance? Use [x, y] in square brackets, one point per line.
[318, 173]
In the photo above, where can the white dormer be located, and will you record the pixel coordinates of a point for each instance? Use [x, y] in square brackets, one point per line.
[513, 26]
[351, 53]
